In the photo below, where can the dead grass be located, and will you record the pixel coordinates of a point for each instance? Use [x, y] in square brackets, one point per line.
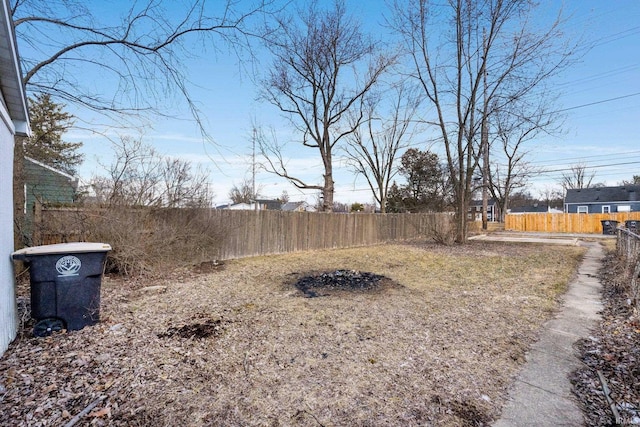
[438, 345]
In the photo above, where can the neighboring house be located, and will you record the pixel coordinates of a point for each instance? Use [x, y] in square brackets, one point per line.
[15, 122]
[298, 207]
[269, 204]
[239, 207]
[43, 185]
[46, 185]
[625, 198]
[475, 210]
[534, 209]
[256, 205]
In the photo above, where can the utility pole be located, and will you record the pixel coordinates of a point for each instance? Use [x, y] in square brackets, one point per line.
[484, 139]
[253, 169]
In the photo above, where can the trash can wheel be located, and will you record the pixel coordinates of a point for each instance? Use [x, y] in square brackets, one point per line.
[46, 327]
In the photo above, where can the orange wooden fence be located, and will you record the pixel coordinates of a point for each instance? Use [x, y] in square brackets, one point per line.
[565, 223]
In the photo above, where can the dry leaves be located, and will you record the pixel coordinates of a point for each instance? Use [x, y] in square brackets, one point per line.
[614, 350]
[243, 346]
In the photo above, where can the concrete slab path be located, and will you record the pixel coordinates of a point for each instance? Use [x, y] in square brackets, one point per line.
[541, 395]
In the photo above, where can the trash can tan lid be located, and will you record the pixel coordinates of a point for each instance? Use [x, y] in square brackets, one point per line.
[63, 248]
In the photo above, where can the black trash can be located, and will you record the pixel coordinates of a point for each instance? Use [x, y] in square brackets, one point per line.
[609, 226]
[65, 284]
[632, 225]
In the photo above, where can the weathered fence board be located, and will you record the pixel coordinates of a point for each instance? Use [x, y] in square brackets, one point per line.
[252, 233]
[628, 247]
[564, 223]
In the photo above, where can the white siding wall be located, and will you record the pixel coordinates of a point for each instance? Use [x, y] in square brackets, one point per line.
[8, 318]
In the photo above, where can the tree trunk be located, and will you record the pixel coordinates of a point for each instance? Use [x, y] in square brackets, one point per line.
[383, 203]
[327, 192]
[461, 220]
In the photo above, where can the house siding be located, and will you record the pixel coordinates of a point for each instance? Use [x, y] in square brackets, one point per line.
[47, 185]
[8, 313]
[14, 120]
[597, 197]
[596, 208]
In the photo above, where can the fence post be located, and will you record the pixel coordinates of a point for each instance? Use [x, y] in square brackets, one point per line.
[36, 232]
[627, 245]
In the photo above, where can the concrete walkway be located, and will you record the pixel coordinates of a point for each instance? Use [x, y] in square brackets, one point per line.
[541, 395]
[571, 239]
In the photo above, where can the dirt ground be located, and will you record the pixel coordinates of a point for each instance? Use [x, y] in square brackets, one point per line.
[437, 342]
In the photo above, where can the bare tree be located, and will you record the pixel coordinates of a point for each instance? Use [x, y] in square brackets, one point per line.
[635, 180]
[323, 68]
[244, 193]
[577, 177]
[184, 186]
[552, 196]
[513, 129]
[468, 56]
[139, 57]
[140, 176]
[373, 147]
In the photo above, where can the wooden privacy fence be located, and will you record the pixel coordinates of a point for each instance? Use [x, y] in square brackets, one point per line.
[628, 247]
[565, 222]
[248, 233]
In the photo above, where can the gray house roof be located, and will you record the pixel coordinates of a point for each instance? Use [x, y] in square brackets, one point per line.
[530, 209]
[11, 85]
[490, 202]
[625, 193]
[269, 204]
[297, 206]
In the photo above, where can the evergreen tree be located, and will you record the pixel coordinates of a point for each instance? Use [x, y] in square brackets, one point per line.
[426, 188]
[48, 123]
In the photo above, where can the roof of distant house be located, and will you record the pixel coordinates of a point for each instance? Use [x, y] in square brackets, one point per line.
[270, 204]
[537, 208]
[51, 168]
[490, 202]
[292, 206]
[624, 193]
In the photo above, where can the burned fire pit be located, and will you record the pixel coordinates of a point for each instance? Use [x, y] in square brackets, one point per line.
[316, 285]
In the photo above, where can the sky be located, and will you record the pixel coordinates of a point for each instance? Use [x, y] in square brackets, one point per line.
[599, 99]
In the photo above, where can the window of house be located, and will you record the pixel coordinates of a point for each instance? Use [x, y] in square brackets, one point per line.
[624, 208]
[606, 209]
[583, 209]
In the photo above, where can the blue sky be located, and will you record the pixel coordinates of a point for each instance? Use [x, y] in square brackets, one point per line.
[599, 96]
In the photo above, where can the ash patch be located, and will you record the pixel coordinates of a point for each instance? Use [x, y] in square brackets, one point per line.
[198, 330]
[339, 280]
[209, 267]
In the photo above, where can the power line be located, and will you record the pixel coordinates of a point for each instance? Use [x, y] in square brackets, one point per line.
[584, 158]
[595, 103]
[593, 167]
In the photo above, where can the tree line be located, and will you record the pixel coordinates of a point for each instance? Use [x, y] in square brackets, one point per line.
[451, 98]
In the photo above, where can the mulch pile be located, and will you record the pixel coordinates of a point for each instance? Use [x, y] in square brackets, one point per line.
[613, 350]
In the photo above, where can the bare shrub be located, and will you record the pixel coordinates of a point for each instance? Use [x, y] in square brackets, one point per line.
[60, 224]
[141, 176]
[151, 241]
[443, 232]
